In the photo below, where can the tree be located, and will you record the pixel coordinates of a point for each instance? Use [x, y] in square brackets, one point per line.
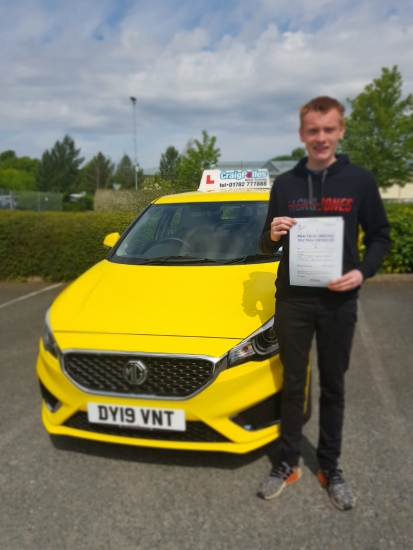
[96, 174]
[156, 182]
[5, 155]
[17, 173]
[169, 164]
[379, 130]
[59, 167]
[199, 156]
[18, 180]
[125, 173]
[296, 154]
[21, 163]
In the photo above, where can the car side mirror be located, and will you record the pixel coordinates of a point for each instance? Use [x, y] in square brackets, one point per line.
[111, 239]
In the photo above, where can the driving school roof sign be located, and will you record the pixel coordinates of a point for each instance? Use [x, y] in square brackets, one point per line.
[218, 180]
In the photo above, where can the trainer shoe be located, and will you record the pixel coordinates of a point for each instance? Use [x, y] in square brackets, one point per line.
[280, 476]
[339, 491]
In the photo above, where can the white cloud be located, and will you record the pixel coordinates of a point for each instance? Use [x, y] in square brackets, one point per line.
[239, 72]
[189, 41]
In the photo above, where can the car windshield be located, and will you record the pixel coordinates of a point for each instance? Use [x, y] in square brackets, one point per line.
[212, 233]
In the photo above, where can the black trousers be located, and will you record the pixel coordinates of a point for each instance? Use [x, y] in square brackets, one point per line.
[332, 319]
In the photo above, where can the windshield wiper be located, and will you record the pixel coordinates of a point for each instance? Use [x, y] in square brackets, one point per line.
[177, 259]
[251, 258]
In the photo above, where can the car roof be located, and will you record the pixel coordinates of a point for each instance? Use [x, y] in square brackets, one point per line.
[216, 196]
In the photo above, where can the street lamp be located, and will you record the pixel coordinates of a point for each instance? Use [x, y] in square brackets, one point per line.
[133, 99]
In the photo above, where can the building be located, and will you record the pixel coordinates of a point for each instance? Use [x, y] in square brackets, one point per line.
[395, 193]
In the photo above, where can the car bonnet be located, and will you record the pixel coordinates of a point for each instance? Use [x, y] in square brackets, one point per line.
[204, 301]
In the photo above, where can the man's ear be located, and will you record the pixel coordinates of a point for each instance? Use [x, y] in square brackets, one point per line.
[342, 130]
[300, 133]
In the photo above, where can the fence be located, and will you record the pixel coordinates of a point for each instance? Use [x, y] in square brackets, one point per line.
[31, 200]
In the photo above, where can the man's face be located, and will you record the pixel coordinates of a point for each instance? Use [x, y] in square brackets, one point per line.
[321, 133]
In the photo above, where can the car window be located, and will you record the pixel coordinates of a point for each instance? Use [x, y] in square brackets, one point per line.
[175, 221]
[215, 231]
[144, 232]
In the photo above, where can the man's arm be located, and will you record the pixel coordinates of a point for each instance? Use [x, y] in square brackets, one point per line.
[275, 227]
[374, 222]
[376, 229]
[267, 245]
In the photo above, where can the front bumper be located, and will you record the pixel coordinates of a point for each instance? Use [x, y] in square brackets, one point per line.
[215, 417]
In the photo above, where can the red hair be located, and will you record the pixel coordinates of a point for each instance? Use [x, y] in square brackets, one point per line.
[322, 104]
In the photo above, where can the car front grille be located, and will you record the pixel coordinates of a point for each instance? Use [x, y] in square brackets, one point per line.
[195, 431]
[166, 376]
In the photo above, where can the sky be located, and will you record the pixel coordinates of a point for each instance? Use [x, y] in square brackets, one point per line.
[239, 69]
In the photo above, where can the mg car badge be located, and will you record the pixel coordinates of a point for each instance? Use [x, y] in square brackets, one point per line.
[135, 373]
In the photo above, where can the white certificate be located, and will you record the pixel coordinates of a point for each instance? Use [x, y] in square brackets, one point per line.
[316, 251]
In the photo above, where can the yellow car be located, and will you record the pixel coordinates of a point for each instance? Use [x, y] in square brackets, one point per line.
[169, 342]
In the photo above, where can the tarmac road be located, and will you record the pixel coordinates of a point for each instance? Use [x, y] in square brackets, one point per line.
[84, 495]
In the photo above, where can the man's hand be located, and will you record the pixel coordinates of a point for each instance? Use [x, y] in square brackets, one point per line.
[280, 227]
[350, 280]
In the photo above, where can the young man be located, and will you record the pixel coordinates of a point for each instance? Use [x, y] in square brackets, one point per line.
[322, 184]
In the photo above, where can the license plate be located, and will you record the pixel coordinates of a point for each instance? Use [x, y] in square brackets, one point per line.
[137, 417]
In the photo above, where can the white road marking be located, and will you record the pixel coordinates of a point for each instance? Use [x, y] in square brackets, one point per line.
[29, 295]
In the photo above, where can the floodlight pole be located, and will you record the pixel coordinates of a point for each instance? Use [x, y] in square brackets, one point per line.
[133, 99]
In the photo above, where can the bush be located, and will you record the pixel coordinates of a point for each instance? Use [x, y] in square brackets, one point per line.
[56, 246]
[400, 257]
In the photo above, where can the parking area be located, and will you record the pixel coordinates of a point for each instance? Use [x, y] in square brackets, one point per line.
[76, 494]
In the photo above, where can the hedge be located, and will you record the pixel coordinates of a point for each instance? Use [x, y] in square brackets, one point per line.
[55, 246]
[400, 257]
[59, 246]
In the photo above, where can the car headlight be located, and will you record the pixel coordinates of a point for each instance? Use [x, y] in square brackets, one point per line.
[260, 345]
[49, 342]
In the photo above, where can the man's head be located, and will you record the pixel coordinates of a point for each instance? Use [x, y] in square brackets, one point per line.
[321, 128]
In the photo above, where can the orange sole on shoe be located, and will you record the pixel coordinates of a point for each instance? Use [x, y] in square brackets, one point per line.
[292, 479]
[322, 479]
